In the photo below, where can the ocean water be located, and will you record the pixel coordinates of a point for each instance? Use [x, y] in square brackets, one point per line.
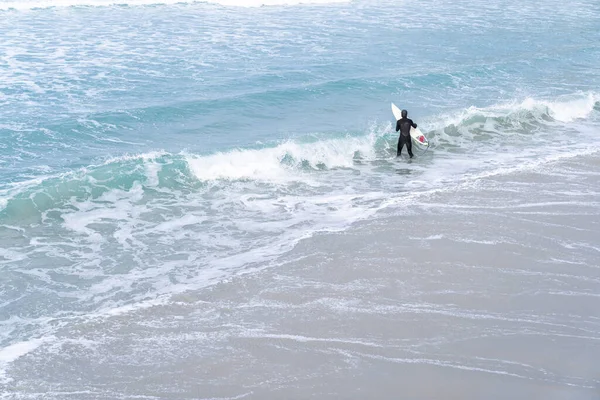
[201, 200]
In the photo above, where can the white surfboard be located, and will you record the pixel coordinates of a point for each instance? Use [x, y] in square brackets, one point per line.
[415, 133]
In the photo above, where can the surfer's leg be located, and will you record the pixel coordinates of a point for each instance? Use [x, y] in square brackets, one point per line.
[409, 147]
[400, 145]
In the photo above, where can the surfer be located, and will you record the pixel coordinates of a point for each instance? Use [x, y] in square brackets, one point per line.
[403, 125]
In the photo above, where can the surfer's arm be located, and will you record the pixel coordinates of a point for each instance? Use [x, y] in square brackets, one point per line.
[397, 125]
[413, 124]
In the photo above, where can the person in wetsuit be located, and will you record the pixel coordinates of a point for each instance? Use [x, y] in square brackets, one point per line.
[403, 125]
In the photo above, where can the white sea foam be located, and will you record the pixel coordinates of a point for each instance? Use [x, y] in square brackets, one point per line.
[11, 353]
[90, 212]
[562, 109]
[282, 163]
[571, 109]
[152, 171]
[9, 256]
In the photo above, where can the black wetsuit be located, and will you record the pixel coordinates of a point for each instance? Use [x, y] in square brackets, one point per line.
[403, 125]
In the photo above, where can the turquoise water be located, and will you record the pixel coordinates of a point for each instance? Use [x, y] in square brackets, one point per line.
[149, 150]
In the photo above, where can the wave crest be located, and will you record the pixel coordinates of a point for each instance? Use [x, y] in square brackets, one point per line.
[290, 161]
[567, 109]
[283, 162]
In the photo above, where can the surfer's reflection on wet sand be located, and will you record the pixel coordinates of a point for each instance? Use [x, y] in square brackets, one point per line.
[403, 171]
